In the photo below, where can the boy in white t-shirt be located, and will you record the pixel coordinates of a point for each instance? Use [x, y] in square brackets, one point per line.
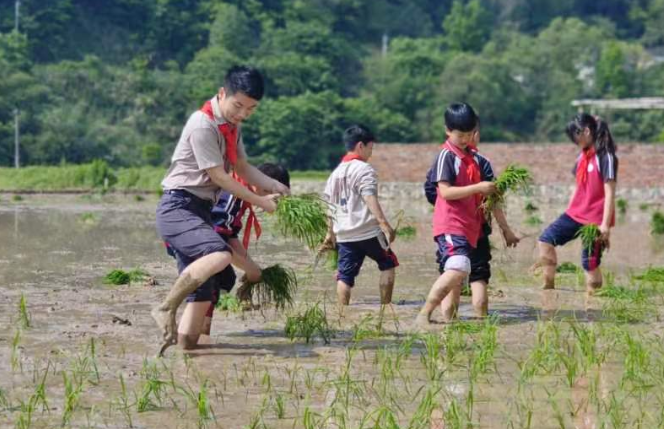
[358, 226]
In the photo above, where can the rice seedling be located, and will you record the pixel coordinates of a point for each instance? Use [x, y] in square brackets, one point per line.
[17, 198]
[455, 417]
[23, 315]
[514, 178]
[652, 275]
[228, 302]
[121, 277]
[122, 403]
[200, 400]
[73, 390]
[277, 286]
[421, 418]
[543, 358]
[406, 232]
[366, 328]
[589, 235]
[26, 409]
[430, 357]
[311, 420]
[657, 223]
[279, 406]
[138, 198]
[637, 360]
[567, 267]
[644, 206]
[485, 347]
[153, 388]
[5, 404]
[309, 325]
[530, 207]
[621, 204]
[533, 220]
[15, 358]
[620, 311]
[381, 418]
[303, 217]
[88, 218]
[39, 396]
[587, 344]
[620, 292]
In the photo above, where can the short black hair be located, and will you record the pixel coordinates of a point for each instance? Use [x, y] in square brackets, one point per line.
[244, 79]
[275, 171]
[355, 134]
[461, 117]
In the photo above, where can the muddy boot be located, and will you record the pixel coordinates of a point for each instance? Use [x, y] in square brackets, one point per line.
[164, 313]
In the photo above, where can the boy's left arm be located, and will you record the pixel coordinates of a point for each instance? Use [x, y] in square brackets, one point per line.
[511, 240]
[254, 176]
[609, 208]
[377, 211]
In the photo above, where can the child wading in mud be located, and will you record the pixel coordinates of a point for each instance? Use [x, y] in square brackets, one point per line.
[593, 200]
[210, 149]
[480, 256]
[358, 226]
[227, 217]
[457, 221]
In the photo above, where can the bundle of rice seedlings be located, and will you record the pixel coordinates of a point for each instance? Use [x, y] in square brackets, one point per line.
[567, 267]
[308, 325]
[303, 217]
[589, 234]
[277, 286]
[514, 178]
[122, 277]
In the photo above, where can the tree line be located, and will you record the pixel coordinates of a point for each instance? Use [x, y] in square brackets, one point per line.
[116, 80]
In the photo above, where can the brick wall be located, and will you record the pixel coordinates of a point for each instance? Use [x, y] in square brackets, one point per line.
[641, 165]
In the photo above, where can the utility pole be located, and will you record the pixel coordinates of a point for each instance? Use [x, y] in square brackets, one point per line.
[17, 14]
[385, 44]
[17, 141]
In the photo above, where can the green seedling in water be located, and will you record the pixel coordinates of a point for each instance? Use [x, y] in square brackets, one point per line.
[309, 325]
[24, 420]
[621, 204]
[644, 206]
[73, 390]
[533, 220]
[303, 217]
[121, 277]
[153, 388]
[657, 223]
[88, 218]
[279, 407]
[228, 302]
[123, 403]
[16, 351]
[530, 207]
[17, 198]
[620, 292]
[138, 198]
[431, 357]
[514, 178]
[589, 235]
[23, 314]
[39, 397]
[406, 232]
[652, 275]
[277, 286]
[567, 267]
[367, 328]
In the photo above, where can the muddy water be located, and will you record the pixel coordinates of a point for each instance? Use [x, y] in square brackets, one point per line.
[55, 250]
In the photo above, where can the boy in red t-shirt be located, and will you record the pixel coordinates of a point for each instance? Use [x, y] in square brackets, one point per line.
[457, 219]
[593, 201]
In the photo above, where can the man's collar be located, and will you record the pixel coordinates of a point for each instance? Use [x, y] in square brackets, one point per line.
[216, 111]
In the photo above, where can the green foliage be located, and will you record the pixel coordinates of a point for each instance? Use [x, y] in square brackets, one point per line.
[652, 274]
[228, 302]
[612, 77]
[621, 203]
[467, 26]
[23, 314]
[530, 207]
[277, 286]
[657, 223]
[309, 325]
[302, 217]
[619, 292]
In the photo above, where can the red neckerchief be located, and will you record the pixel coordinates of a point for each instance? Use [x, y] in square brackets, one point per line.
[468, 159]
[229, 131]
[350, 157]
[582, 169]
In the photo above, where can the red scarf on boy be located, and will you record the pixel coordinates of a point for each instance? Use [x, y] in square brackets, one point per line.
[229, 131]
[582, 169]
[468, 160]
[350, 157]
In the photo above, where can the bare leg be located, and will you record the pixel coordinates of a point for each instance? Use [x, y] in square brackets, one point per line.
[450, 305]
[192, 324]
[593, 281]
[548, 261]
[191, 278]
[386, 285]
[343, 293]
[448, 281]
[480, 298]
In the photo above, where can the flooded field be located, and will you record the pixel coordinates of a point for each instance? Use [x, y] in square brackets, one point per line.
[75, 352]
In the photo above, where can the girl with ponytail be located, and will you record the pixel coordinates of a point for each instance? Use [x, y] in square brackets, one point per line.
[593, 200]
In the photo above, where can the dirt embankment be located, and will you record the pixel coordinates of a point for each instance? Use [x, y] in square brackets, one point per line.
[641, 165]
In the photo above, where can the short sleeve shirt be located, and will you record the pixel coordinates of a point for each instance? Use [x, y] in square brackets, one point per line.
[201, 146]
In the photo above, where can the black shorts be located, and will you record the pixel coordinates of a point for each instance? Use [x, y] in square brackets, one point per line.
[352, 254]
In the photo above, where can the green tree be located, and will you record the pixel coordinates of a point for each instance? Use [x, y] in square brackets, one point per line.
[467, 27]
[611, 74]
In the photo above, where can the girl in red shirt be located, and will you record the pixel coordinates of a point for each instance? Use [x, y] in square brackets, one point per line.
[593, 200]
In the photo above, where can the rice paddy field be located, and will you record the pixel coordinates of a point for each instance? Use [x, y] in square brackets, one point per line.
[78, 351]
